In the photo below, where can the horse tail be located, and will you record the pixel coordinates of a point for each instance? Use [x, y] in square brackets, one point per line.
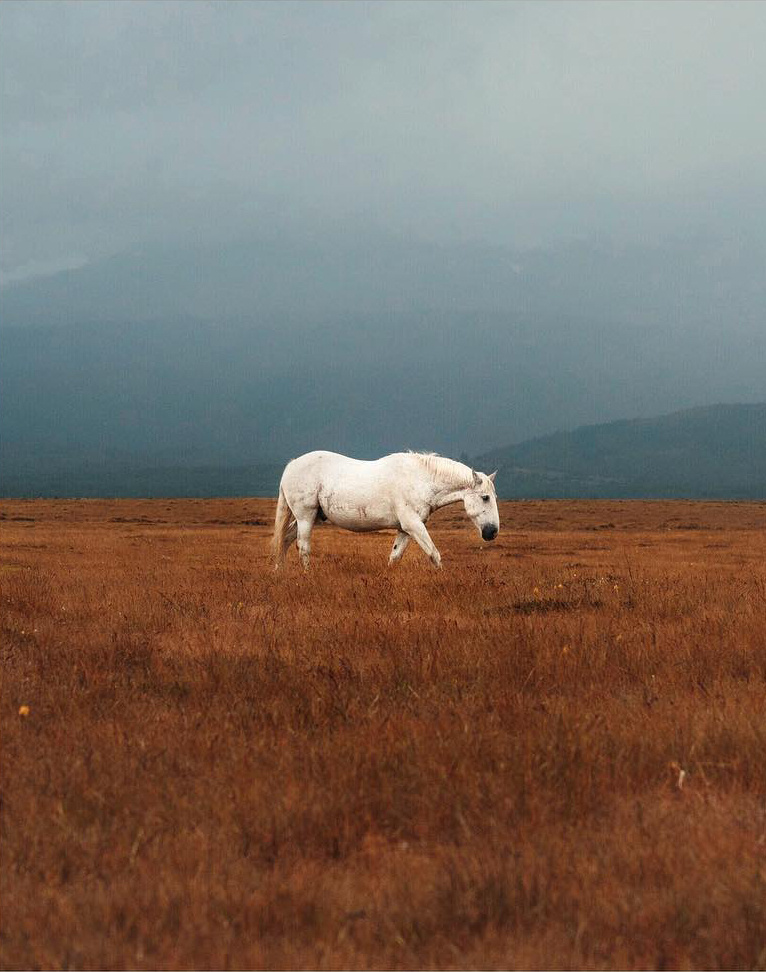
[281, 525]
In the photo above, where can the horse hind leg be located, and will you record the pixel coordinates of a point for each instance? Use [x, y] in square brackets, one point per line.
[291, 535]
[304, 526]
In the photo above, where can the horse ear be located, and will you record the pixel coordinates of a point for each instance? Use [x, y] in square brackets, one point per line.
[491, 476]
[476, 478]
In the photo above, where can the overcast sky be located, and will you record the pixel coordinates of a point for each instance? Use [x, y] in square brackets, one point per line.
[126, 123]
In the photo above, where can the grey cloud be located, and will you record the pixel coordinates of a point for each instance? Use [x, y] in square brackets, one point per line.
[369, 225]
[130, 122]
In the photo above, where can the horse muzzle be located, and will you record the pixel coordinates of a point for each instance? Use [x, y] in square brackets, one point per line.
[488, 532]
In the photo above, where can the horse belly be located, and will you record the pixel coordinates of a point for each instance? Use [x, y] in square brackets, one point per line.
[358, 524]
[359, 514]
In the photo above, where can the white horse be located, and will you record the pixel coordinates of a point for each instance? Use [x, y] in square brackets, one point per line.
[399, 491]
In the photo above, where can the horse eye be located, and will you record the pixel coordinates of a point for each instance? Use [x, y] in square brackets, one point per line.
[486, 499]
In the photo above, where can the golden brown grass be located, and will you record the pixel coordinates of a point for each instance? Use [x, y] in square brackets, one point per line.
[550, 754]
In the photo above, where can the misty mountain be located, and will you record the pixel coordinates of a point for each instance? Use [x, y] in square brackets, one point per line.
[254, 352]
[312, 276]
[716, 452]
[713, 452]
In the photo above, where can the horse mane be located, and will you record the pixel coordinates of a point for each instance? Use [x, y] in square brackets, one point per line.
[449, 471]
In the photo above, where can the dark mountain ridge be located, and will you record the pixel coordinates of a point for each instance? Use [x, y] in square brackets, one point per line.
[711, 452]
[252, 352]
[714, 452]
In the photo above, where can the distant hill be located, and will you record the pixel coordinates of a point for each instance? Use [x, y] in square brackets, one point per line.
[60, 477]
[249, 353]
[714, 452]
[201, 370]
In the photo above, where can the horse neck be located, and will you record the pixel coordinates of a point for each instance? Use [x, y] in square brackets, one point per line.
[446, 491]
[447, 495]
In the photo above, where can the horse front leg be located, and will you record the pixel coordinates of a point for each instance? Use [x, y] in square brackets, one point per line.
[417, 530]
[400, 545]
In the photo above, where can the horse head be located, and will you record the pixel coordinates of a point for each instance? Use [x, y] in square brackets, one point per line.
[480, 501]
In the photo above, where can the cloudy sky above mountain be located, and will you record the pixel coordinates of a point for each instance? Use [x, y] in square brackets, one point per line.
[125, 124]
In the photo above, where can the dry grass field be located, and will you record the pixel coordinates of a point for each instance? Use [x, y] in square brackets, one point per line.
[551, 754]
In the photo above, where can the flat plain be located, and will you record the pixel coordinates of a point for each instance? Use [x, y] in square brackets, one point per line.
[550, 754]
